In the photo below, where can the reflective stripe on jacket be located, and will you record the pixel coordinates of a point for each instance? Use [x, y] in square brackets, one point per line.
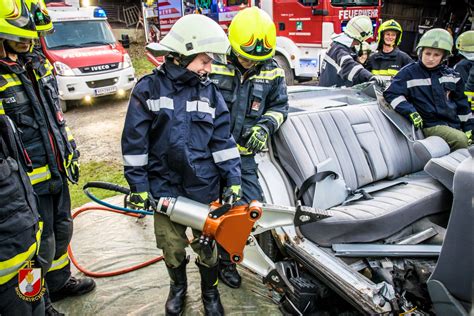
[436, 94]
[176, 139]
[339, 68]
[35, 109]
[259, 97]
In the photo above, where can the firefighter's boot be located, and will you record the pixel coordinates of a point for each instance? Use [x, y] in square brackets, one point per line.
[228, 274]
[178, 287]
[210, 294]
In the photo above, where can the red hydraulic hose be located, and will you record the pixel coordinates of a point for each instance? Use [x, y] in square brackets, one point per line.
[111, 273]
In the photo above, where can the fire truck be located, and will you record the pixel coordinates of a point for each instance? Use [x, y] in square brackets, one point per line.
[304, 27]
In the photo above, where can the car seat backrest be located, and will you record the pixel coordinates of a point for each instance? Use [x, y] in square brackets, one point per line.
[362, 142]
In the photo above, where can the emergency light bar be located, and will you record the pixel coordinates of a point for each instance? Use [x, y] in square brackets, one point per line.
[99, 13]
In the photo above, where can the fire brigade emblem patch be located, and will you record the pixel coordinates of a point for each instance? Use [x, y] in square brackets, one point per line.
[30, 285]
[255, 106]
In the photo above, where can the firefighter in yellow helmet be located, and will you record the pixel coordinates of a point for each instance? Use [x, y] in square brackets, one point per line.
[388, 59]
[254, 88]
[29, 92]
[465, 67]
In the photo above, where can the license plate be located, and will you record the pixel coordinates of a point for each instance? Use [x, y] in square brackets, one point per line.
[105, 90]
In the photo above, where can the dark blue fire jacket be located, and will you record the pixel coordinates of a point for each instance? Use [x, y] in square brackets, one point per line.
[176, 140]
[436, 94]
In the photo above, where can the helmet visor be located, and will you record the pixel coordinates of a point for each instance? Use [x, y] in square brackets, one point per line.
[23, 20]
[468, 55]
[218, 58]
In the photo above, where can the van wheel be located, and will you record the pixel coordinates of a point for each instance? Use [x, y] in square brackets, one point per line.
[63, 104]
[268, 245]
[289, 75]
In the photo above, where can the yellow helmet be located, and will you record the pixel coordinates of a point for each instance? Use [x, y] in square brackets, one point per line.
[252, 34]
[18, 25]
[41, 16]
[390, 25]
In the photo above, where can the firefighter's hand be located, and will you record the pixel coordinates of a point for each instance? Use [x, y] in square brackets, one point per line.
[416, 120]
[469, 137]
[257, 139]
[378, 80]
[231, 194]
[71, 166]
[139, 200]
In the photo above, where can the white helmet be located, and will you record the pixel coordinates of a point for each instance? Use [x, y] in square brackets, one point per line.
[360, 28]
[193, 34]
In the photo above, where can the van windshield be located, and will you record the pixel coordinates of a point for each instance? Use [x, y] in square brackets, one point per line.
[70, 34]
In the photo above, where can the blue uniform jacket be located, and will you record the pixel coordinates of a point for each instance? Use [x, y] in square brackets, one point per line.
[176, 139]
[436, 94]
[259, 97]
[340, 69]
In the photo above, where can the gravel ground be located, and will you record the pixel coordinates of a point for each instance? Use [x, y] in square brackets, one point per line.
[97, 128]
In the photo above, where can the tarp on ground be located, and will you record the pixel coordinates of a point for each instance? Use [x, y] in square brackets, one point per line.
[105, 241]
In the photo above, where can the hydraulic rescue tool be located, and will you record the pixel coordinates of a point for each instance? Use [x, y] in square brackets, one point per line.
[232, 226]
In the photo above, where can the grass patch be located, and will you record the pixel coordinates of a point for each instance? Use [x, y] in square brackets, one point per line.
[140, 62]
[97, 171]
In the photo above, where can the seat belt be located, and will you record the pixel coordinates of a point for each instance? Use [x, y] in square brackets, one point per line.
[312, 180]
[364, 193]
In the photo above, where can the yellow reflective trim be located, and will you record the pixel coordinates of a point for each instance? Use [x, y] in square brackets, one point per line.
[469, 93]
[12, 80]
[9, 268]
[39, 174]
[384, 72]
[69, 134]
[243, 150]
[38, 235]
[269, 74]
[276, 115]
[59, 263]
[2, 110]
[222, 70]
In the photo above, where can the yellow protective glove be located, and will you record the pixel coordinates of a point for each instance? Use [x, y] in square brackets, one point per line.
[257, 139]
[231, 194]
[416, 120]
[139, 200]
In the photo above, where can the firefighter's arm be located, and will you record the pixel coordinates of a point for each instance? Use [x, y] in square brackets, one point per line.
[351, 70]
[276, 104]
[463, 107]
[397, 95]
[135, 142]
[469, 88]
[222, 145]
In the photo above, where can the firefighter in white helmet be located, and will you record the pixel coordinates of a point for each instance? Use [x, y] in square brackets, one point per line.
[339, 67]
[177, 142]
